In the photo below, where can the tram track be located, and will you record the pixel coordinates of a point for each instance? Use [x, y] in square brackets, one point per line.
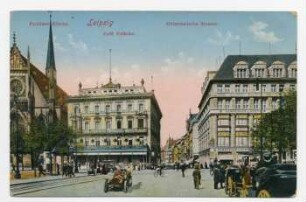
[30, 187]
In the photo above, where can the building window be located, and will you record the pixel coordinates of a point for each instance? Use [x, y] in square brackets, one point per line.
[242, 122]
[86, 109]
[118, 124]
[264, 88]
[238, 103]
[293, 73]
[227, 104]
[245, 88]
[119, 143]
[97, 108]
[97, 125]
[108, 124]
[237, 88]
[130, 124]
[277, 72]
[241, 141]
[107, 108]
[130, 108]
[130, 142]
[86, 143]
[223, 141]
[140, 123]
[256, 104]
[219, 88]
[292, 87]
[245, 104]
[219, 104]
[118, 108]
[86, 126]
[140, 107]
[273, 88]
[264, 105]
[98, 143]
[227, 88]
[223, 122]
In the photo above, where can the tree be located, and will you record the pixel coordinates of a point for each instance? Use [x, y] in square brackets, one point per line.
[44, 136]
[278, 128]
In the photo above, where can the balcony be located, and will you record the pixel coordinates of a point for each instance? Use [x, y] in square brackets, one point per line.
[116, 131]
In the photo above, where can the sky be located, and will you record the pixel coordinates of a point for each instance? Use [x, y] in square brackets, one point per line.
[171, 51]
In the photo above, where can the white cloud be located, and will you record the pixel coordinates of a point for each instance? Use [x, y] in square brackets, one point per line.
[58, 46]
[78, 45]
[261, 34]
[222, 39]
[180, 63]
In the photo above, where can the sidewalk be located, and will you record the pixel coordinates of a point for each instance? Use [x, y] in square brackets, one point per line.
[28, 177]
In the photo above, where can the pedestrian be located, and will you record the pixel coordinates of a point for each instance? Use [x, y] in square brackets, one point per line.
[216, 177]
[196, 176]
[222, 176]
[41, 170]
[183, 168]
[206, 167]
[57, 169]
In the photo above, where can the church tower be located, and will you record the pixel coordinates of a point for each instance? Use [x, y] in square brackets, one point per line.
[51, 74]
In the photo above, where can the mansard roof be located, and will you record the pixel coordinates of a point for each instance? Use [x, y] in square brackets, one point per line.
[226, 69]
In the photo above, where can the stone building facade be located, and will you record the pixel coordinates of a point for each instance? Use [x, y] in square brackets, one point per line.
[235, 97]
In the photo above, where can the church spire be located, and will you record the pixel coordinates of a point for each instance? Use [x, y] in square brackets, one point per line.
[50, 55]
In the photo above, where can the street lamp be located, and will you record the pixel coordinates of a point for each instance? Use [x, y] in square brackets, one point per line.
[261, 105]
[76, 169]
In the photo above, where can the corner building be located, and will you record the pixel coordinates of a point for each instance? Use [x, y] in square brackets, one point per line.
[235, 97]
[114, 122]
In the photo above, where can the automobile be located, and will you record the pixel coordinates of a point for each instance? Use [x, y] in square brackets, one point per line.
[278, 180]
[121, 180]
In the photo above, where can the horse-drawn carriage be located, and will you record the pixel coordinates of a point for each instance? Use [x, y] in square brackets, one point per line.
[121, 180]
[233, 181]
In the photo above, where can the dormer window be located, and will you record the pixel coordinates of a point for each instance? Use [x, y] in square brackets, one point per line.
[259, 69]
[241, 70]
[292, 70]
[277, 69]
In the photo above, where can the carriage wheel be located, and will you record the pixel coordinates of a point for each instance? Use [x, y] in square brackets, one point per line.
[106, 186]
[125, 186]
[230, 185]
[263, 193]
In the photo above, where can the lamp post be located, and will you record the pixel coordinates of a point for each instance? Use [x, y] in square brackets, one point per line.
[261, 105]
[76, 169]
[281, 88]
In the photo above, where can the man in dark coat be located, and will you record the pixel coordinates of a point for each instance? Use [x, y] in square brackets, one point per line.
[222, 176]
[216, 177]
[183, 167]
[196, 176]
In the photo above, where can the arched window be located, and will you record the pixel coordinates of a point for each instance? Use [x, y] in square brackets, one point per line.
[241, 70]
[259, 69]
[277, 69]
[292, 70]
[118, 124]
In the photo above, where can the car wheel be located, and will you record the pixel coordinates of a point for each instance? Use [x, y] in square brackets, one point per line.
[106, 186]
[263, 193]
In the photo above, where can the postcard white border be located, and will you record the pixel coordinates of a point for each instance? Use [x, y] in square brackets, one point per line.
[136, 5]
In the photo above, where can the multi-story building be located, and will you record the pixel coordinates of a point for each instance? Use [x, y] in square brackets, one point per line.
[192, 131]
[114, 122]
[235, 97]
